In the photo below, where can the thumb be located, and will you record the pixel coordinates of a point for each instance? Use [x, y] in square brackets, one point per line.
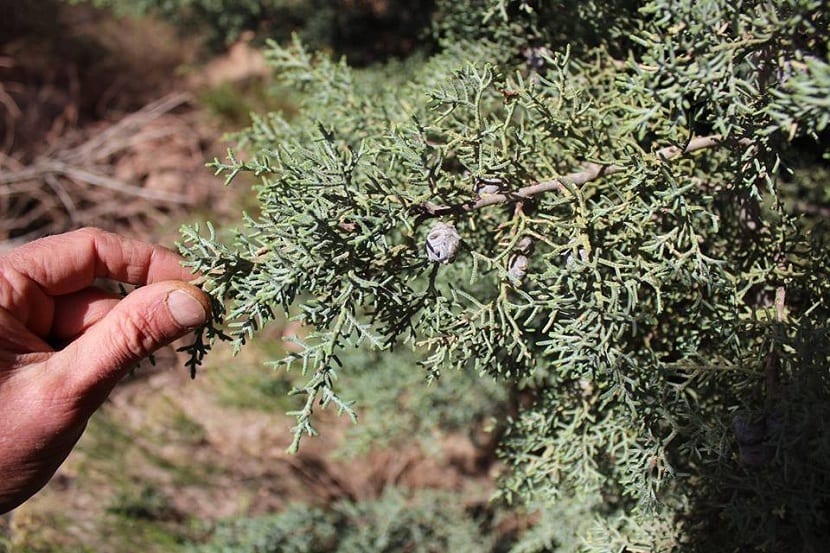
[150, 317]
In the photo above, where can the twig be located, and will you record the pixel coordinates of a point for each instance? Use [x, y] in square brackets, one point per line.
[45, 168]
[119, 136]
[590, 172]
[95, 179]
[9, 162]
[13, 112]
[74, 163]
[771, 360]
[63, 196]
[72, 185]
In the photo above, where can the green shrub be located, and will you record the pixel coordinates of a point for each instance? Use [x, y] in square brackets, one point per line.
[428, 522]
[221, 20]
[364, 30]
[614, 209]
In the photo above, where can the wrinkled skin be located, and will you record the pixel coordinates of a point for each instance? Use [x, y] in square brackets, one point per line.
[65, 343]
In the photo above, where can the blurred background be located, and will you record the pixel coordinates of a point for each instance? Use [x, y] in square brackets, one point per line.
[109, 111]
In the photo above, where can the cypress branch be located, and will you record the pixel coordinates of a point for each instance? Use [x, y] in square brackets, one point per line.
[590, 172]
[659, 338]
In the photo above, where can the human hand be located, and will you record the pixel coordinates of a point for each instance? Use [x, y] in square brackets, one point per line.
[47, 296]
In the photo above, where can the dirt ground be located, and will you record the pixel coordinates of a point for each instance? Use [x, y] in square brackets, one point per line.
[207, 460]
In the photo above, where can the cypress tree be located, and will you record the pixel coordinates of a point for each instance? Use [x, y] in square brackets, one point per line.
[608, 215]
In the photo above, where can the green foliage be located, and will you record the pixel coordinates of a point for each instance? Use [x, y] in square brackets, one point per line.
[397, 408]
[425, 523]
[148, 503]
[231, 104]
[638, 191]
[367, 31]
[221, 20]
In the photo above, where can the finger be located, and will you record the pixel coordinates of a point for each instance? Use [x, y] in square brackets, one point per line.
[66, 263]
[16, 338]
[148, 318]
[79, 311]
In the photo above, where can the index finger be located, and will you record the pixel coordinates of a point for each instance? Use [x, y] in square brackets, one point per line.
[69, 262]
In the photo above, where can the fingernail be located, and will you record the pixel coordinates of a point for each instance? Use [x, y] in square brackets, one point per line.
[187, 311]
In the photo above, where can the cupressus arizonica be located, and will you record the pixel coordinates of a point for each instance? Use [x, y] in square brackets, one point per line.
[614, 210]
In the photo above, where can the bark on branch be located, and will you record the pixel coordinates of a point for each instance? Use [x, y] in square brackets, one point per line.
[590, 172]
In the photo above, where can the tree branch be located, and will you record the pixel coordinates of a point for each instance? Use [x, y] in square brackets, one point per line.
[590, 172]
